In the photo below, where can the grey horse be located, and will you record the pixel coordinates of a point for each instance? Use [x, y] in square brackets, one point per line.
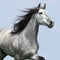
[21, 41]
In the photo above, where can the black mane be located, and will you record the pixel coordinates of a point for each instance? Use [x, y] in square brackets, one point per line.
[24, 20]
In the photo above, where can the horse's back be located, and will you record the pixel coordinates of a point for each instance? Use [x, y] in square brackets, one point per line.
[3, 33]
[4, 30]
[6, 41]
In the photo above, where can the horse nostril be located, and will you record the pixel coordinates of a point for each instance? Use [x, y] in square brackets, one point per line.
[50, 22]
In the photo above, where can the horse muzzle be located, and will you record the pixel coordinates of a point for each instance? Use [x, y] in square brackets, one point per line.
[51, 24]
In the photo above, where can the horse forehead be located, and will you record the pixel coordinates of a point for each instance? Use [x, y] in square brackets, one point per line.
[42, 10]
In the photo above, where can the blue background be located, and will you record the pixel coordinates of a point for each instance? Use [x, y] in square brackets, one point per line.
[49, 39]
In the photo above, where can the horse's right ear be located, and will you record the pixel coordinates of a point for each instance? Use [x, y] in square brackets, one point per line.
[39, 5]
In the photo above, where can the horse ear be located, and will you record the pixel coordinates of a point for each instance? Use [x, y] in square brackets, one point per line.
[39, 5]
[45, 6]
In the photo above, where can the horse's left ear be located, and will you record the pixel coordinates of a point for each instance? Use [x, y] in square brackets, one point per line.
[45, 6]
[39, 5]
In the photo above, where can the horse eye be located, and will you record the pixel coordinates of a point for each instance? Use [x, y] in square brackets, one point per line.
[40, 13]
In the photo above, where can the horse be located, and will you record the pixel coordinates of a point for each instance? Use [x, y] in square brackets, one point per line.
[20, 42]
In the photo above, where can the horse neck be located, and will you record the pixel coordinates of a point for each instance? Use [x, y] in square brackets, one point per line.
[31, 30]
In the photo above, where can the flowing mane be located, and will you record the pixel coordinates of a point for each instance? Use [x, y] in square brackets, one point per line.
[24, 20]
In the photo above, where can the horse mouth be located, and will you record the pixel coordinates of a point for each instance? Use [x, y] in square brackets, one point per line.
[50, 26]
